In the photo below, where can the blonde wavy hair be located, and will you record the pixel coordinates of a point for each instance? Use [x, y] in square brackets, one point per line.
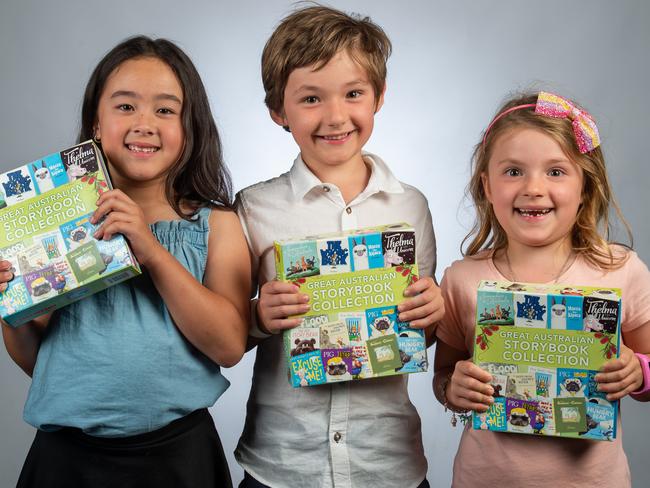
[590, 235]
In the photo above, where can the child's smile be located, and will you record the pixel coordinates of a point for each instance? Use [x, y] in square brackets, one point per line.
[330, 111]
[535, 190]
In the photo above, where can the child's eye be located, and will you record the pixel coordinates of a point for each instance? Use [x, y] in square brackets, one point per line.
[354, 94]
[512, 172]
[166, 111]
[125, 107]
[310, 99]
[555, 172]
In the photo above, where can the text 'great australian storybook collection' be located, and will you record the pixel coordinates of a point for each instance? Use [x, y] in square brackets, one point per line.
[354, 280]
[46, 234]
[543, 346]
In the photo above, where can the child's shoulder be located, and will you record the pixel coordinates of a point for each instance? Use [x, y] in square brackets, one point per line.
[470, 268]
[263, 192]
[632, 264]
[279, 182]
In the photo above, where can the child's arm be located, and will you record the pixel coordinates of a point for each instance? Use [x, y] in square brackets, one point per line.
[424, 308]
[212, 315]
[22, 342]
[622, 376]
[458, 383]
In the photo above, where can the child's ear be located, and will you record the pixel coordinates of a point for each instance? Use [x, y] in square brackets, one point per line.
[380, 102]
[486, 186]
[279, 118]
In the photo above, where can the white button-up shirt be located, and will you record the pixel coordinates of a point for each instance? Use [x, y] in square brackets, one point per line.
[354, 434]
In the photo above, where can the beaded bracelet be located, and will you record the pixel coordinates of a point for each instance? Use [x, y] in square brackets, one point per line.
[461, 414]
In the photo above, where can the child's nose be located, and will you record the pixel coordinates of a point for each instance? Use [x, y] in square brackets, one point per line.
[144, 125]
[534, 185]
[335, 113]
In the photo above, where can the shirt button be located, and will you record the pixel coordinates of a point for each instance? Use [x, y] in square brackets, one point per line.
[326, 189]
[348, 210]
[337, 436]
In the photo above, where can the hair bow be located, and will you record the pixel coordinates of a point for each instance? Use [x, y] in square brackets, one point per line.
[584, 127]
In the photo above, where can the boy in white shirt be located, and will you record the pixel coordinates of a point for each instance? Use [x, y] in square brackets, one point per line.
[324, 75]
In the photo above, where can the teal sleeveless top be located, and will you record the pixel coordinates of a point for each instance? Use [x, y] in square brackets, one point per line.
[114, 364]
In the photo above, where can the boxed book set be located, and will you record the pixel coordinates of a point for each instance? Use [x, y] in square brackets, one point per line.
[46, 234]
[543, 346]
[354, 280]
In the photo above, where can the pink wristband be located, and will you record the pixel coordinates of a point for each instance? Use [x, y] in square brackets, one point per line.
[645, 367]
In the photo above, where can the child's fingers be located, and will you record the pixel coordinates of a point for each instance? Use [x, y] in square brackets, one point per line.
[113, 205]
[5, 265]
[6, 276]
[427, 321]
[468, 368]
[278, 287]
[115, 223]
[277, 325]
[466, 392]
[419, 286]
[283, 311]
[619, 383]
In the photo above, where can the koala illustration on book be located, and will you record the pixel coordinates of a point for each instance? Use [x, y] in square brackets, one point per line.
[360, 254]
[303, 346]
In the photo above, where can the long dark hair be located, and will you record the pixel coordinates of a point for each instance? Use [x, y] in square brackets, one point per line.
[200, 176]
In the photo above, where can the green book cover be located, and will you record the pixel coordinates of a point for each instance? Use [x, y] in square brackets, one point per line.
[47, 236]
[354, 281]
[544, 344]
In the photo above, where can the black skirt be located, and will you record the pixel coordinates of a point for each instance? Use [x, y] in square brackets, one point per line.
[184, 454]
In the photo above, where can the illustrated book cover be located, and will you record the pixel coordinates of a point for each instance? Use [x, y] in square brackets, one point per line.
[354, 280]
[48, 238]
[543, 345]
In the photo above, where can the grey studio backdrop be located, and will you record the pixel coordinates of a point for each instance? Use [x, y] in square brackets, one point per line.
[452, 64]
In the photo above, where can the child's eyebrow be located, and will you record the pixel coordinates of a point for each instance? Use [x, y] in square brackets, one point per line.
[518, 162]
[132, 94]
[314, 88]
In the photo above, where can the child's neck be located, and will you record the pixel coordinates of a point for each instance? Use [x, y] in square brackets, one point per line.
[541, 264]
[150, 197]
[350, 178]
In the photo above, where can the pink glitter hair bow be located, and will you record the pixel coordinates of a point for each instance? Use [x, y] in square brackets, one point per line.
[584, 127]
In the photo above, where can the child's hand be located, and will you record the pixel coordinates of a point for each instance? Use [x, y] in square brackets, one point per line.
[469, 387]
[277, 301]
[5, 275]
[124, 216]
[620, 376]
[426, 307]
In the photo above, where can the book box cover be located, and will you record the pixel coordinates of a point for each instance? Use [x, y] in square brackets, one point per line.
[47, 235]
[354, 280]
[543, 345]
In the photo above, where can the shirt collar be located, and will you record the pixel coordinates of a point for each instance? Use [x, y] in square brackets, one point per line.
[381, 178]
